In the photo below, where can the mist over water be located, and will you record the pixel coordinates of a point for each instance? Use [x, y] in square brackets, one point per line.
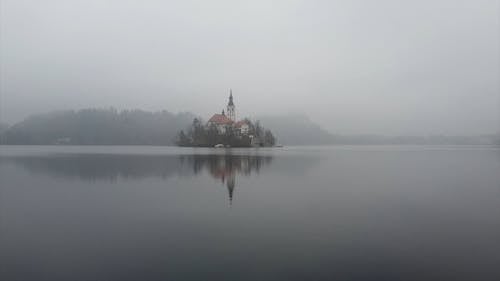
[322, 213]
[354, 67]
[177, 140]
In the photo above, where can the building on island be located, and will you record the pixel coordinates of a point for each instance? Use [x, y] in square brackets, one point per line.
[225, 130]
[231, 109]
[220, 121]
[227, 120]
[242, 127]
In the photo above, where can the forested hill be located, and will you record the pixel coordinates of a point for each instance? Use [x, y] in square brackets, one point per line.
[99, 127]
[138, 127]
[296, 129]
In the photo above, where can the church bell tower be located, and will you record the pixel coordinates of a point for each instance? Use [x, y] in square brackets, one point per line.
[231, 112]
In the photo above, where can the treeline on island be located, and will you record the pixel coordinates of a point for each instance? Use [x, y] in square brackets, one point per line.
[204, 135]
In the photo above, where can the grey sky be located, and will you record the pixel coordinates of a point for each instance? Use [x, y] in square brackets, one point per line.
[385, 67]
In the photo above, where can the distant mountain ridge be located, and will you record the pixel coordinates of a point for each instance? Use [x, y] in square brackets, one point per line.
[298, 129]
[139, 127]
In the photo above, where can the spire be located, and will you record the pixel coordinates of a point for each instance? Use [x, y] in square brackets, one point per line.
[230, 187]
[230, 97]
[231, 114]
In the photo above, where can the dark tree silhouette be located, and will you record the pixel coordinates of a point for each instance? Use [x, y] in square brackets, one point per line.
[209, 136]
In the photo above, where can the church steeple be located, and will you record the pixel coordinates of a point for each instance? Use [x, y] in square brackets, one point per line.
[230, 97]
[231, 182]
[231, 110]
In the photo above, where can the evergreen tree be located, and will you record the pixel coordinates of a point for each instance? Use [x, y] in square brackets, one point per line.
[183, 140]
[269, 139]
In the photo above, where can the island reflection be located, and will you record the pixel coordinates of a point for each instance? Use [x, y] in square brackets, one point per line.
[226, 167]
[114, 168]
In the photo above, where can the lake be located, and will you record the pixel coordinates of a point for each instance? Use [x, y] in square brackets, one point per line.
[292, 213]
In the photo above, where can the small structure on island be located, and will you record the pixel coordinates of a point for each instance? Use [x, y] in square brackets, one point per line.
[227, 120]
[242, 127]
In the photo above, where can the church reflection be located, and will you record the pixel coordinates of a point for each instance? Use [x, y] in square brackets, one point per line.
[114, 168]
[226, 167]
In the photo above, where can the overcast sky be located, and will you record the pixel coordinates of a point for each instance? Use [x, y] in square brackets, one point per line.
[386, 67]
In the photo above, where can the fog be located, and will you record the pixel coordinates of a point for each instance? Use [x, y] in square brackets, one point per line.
[354, 67]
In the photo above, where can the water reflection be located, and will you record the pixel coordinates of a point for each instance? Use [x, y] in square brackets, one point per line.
[335, 214]
[226, 167]
[113, 168]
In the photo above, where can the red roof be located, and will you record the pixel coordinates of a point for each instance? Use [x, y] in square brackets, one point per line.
[220, 119]
[240, 123]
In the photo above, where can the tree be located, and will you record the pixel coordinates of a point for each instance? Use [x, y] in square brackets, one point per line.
[199, 135]
[208, 136]
[269, 139]
[183, 140]
[212, 135]
[259, 130]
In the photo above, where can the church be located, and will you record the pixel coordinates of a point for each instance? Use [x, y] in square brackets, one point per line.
[227, 119]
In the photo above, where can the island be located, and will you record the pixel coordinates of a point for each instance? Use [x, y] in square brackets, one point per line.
[224, 130]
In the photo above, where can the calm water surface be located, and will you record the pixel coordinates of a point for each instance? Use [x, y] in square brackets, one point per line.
[297, 213]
